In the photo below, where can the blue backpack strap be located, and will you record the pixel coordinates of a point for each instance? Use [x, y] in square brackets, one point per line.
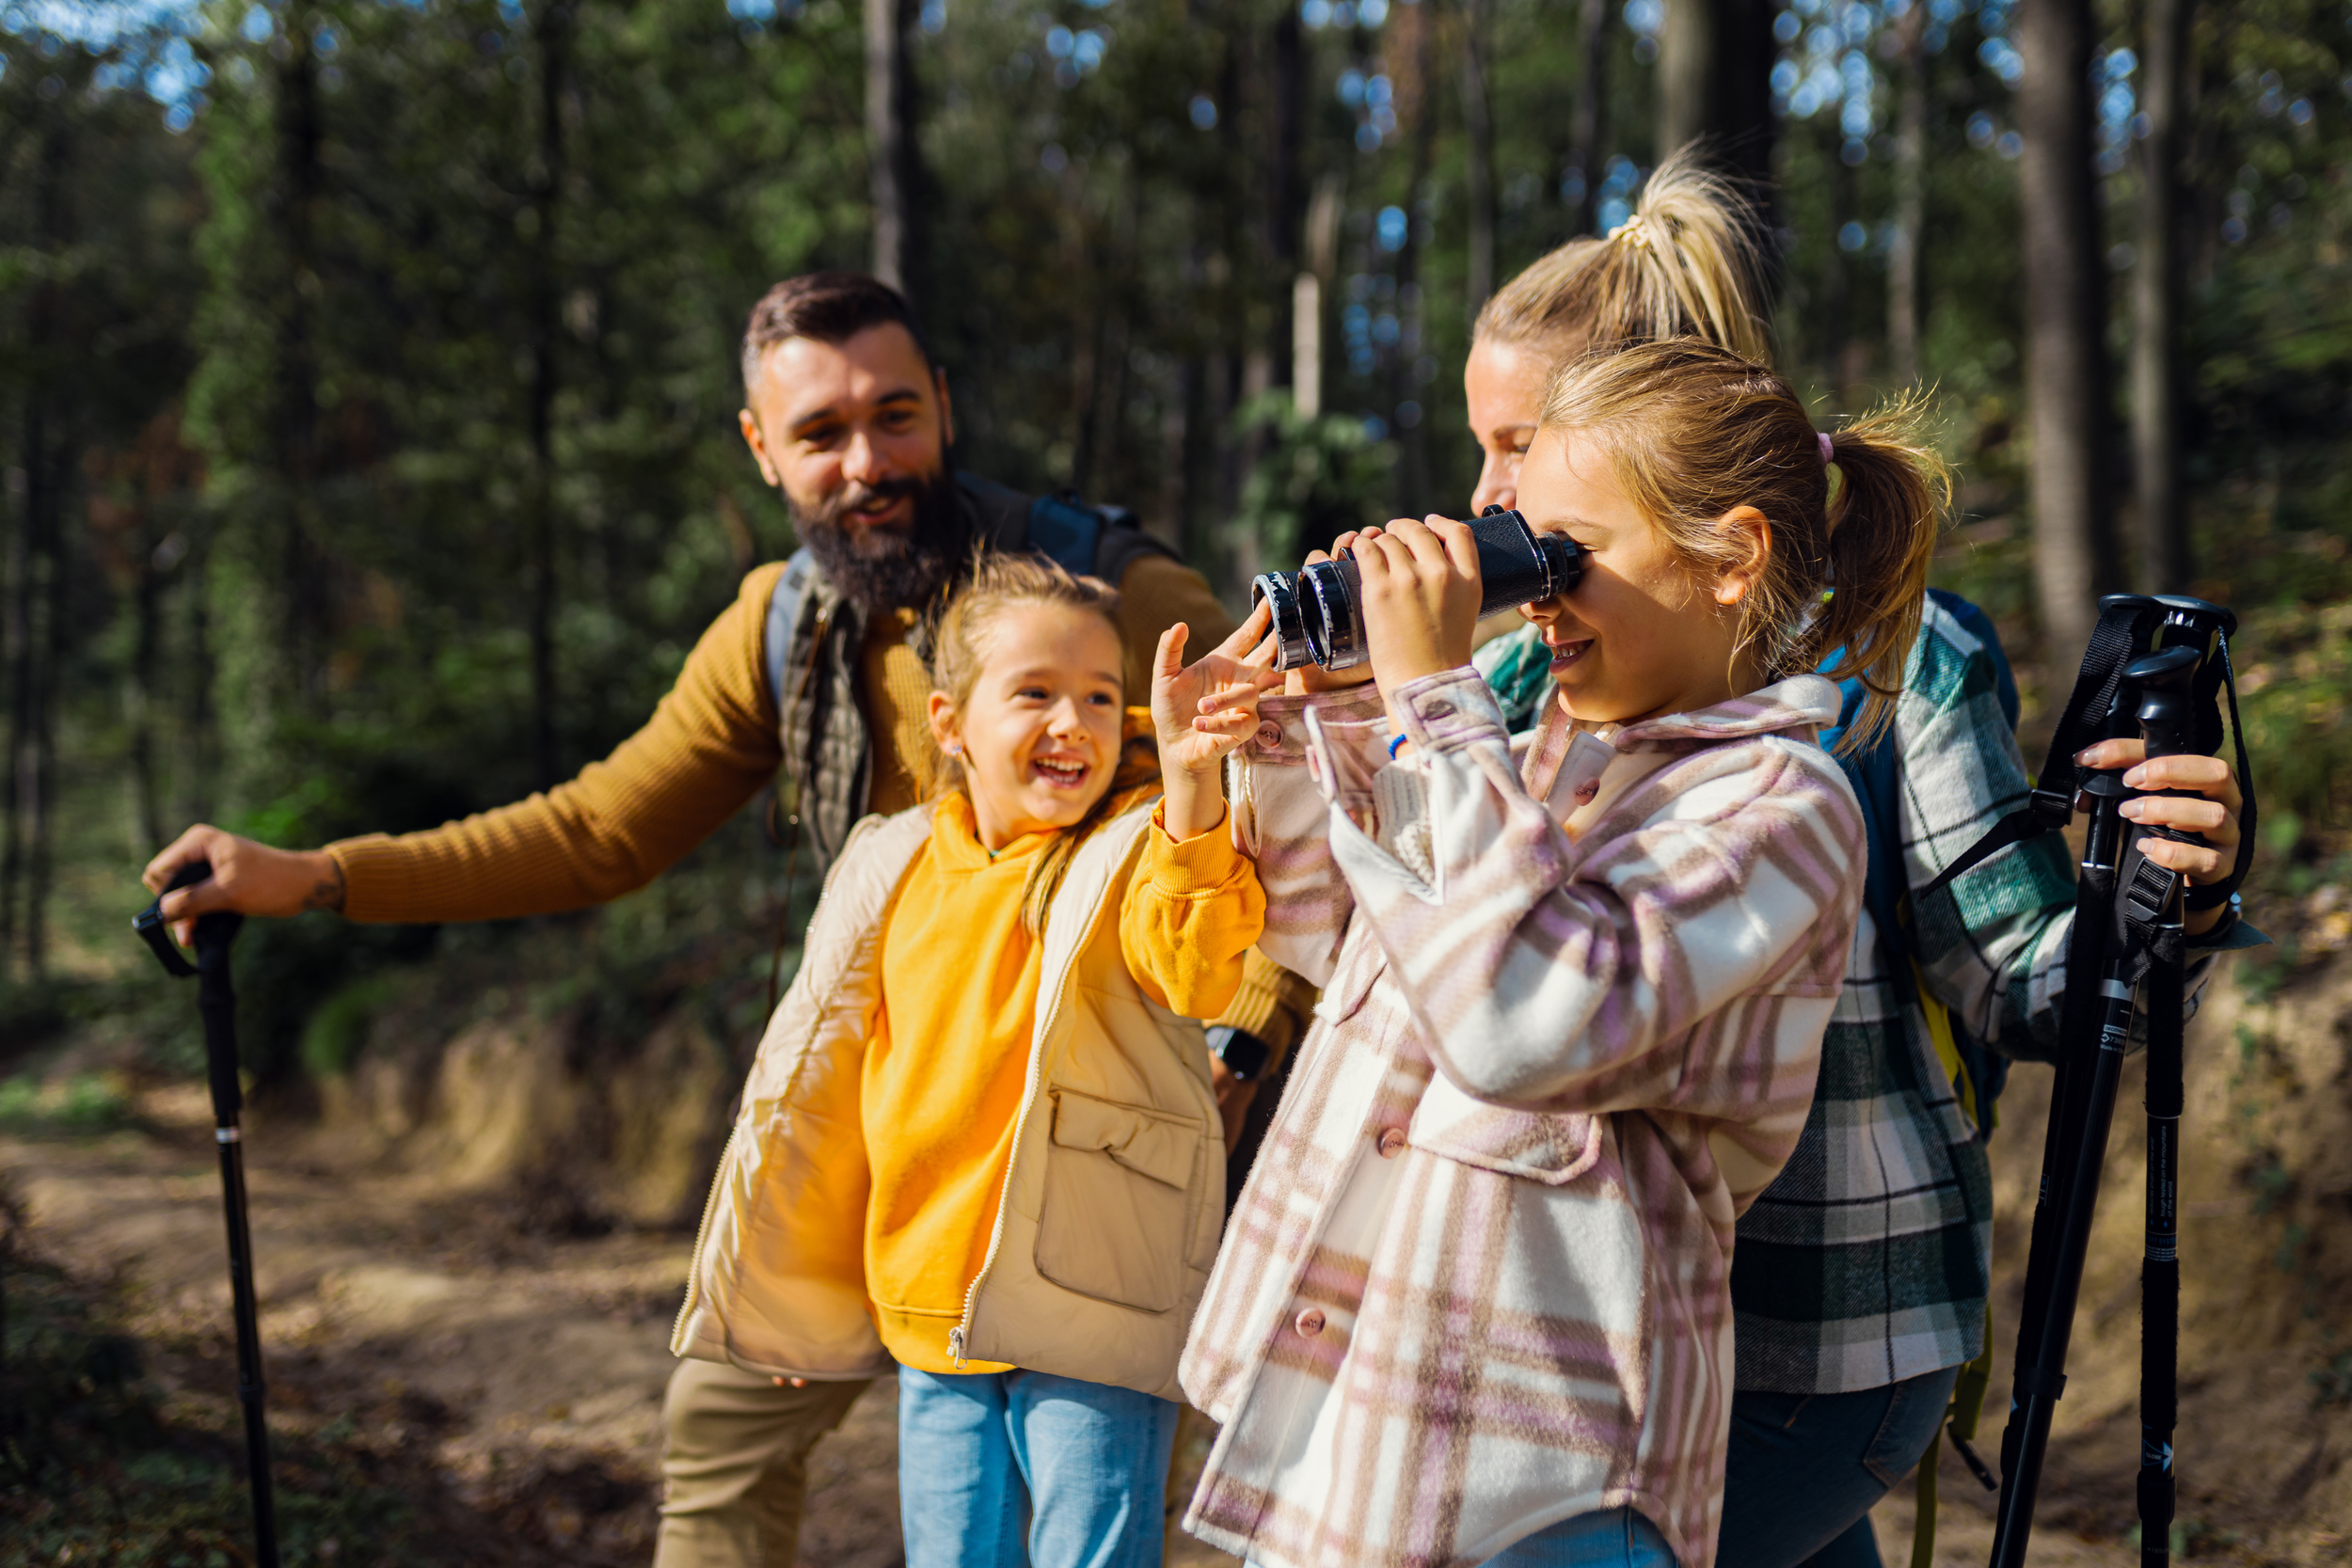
[1872, 774]
[1066, 532]
[784, 615]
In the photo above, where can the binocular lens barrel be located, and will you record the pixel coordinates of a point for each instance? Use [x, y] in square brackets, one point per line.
[1318, 611]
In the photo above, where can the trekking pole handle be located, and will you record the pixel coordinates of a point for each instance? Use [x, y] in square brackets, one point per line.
[2168, 717]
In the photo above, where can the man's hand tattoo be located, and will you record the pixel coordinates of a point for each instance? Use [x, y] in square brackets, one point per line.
[327, 892]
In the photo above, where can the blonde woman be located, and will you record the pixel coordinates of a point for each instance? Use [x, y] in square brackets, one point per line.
[1860, 1278]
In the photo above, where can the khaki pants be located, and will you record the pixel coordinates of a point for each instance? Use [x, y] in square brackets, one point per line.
[735, 1464]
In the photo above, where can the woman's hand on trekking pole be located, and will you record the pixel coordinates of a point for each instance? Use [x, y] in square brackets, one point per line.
[2210, 812]
[248, 878]
[1201, 711]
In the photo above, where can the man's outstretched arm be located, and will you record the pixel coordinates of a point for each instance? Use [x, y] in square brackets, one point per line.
[708, 748]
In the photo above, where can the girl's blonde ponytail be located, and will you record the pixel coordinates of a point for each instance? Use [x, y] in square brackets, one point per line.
[1891, 494]
[1690, 262]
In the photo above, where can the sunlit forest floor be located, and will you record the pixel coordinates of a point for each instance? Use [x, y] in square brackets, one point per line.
[466, 1368]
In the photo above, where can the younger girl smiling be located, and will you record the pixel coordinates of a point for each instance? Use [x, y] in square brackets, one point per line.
[978, 1140]
[1473, 1304]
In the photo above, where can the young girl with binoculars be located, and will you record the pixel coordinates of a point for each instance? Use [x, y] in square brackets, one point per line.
[1473, 1305]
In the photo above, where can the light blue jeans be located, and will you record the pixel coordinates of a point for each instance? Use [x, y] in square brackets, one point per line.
[1028, 1470]
[1618, 1538]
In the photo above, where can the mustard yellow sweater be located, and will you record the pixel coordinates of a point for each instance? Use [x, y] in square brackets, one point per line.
[949, 1053]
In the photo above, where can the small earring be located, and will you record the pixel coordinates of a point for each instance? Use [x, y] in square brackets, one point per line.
[955, 748]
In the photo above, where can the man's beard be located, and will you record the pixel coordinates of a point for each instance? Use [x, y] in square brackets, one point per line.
[902, 567]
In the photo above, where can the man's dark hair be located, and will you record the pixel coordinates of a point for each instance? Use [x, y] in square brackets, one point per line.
[828, 308]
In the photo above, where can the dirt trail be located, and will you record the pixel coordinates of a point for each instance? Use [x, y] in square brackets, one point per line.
[467, 1324]
[520, 1367]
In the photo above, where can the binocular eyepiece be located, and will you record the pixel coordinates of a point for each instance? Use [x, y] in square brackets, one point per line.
[1319, 610]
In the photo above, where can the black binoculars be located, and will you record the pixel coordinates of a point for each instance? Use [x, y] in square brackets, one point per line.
[1319, 610]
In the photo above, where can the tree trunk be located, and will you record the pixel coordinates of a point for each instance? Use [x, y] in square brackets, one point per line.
[1714, 80]
[1837, 274]
[895, 161]
[1903, 292]
[147, 803]
[1286, 188]
[2066, 367]
[1592, 33]
[2156, 393]
[1410, 60]
[32, 446]
[552, 35]
[1686, 67]
[296, 457]
[40, 819]
[1478, 138]
[34, 568]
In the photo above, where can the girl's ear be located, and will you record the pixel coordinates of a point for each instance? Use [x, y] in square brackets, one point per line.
[942, 715]
[1748, 541]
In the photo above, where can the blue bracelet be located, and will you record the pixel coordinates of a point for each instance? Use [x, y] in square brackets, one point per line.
[1394, 741]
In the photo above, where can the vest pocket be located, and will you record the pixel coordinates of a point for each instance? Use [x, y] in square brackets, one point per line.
[1118, 1191]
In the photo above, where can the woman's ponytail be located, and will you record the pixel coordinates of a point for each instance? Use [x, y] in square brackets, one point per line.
[1689, 263]
[1888, 502]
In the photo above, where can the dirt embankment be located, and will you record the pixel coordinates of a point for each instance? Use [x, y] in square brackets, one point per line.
[473, 1252]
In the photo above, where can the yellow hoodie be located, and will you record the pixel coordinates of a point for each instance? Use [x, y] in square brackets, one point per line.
[947, 1055]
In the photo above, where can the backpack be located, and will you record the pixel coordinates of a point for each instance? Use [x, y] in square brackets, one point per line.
[1978, 1072]
[1080, 537]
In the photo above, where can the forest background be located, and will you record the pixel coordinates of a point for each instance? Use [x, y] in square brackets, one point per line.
[368, 388]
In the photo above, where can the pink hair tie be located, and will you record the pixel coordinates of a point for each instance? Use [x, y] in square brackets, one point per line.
[1829, 452]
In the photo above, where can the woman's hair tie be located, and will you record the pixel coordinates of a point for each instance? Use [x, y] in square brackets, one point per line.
[1829, 450]
[1632, 231]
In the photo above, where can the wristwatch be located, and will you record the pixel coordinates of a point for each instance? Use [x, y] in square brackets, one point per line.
[1244, 1055]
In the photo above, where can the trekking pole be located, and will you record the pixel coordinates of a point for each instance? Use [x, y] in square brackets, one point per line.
[2071, 1182]
[2167, 719]
[2159, 666]
[217, 1001]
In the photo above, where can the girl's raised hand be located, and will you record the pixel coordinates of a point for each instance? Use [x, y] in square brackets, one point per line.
[1201, 711]
[1422, 592]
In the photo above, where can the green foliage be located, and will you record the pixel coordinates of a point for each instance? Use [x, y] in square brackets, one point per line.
[86, 1102]
[1313, 480]
[335, 1035]
[397, 309]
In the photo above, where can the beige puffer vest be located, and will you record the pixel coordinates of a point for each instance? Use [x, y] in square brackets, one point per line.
[1108, 1223]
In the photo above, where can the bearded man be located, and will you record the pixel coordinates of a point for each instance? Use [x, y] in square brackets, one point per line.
[814, 671]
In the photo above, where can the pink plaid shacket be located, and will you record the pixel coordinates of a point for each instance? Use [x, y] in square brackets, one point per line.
[1477, 1282]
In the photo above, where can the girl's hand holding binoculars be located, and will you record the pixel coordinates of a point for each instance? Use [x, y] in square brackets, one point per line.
[1421, 592]
[1314, 677]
